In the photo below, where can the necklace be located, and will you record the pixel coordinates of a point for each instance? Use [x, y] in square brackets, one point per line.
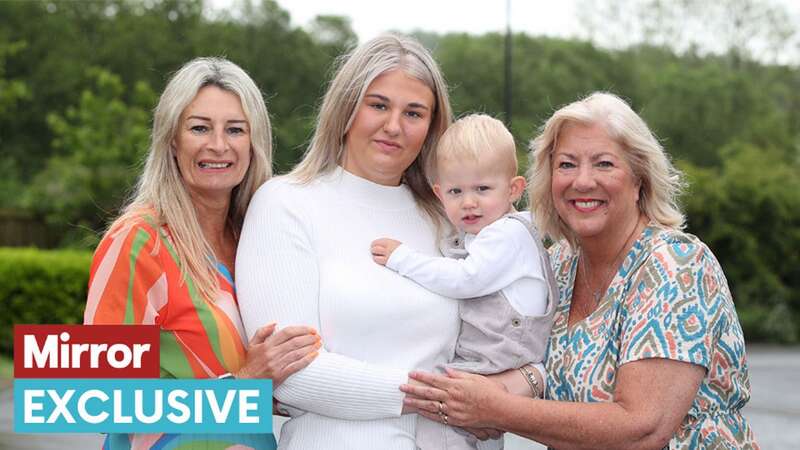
[596, 293]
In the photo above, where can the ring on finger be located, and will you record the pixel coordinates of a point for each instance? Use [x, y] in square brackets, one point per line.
[444, 418]
[441, 407]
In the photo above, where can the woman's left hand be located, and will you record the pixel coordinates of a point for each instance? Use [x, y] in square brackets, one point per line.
[466, 399]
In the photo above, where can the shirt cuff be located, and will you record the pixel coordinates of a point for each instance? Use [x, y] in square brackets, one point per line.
[398, 256]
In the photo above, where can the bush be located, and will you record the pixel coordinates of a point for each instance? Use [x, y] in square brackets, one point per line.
[41, 286]
[748, 212]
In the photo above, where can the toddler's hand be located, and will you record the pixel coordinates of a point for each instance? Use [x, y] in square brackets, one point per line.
[382, 249]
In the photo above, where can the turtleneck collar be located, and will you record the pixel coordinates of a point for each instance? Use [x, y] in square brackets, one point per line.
[367, 193]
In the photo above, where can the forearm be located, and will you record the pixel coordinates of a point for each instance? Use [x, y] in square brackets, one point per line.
[573, 425]
[456, 278]
[337, 386]
[516, 383]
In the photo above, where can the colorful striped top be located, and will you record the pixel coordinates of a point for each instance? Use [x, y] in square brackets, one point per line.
[136, 278]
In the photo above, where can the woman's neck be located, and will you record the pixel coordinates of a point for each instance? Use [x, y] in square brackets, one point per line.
[212, 215]
[603, 250]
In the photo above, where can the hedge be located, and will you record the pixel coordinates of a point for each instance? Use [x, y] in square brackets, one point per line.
[41, 286]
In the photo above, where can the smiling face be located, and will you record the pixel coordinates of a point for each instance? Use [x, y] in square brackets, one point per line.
[390, 126]
[476, 193]
[593, 187]
[212, 145]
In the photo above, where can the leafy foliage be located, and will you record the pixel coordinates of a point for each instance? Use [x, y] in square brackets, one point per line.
[41, 286]
[99, 145]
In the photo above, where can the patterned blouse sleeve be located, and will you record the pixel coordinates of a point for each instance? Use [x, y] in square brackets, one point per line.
[127, 282]
[674, 307]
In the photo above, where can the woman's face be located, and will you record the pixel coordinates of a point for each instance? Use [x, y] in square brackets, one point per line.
[390, 126]
[594, 190]
[212, 145]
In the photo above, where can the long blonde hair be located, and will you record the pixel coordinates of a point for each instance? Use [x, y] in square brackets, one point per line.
[661, 182]
[161, 189]
[356, 71]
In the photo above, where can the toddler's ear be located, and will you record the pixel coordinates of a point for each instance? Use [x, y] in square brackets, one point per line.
[437, 190]
[517, 188]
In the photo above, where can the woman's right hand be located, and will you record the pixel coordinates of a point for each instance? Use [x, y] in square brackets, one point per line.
[276, 355]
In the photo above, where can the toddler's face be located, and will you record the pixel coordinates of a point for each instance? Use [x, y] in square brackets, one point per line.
[476, 193]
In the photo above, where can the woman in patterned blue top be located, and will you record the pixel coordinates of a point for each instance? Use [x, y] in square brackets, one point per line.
[646, 349]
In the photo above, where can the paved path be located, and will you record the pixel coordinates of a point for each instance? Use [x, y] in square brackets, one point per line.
[774, 410]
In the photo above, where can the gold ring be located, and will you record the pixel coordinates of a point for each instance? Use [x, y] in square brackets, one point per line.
[441, 407]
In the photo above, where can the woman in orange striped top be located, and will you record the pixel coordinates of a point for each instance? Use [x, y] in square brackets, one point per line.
[168, 259]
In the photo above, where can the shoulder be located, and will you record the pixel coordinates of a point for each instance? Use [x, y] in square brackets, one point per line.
[679, 269]
[676, 250]
[560, 253]
[515, 228]
[141, 226]
[132, 237]
[287, 190]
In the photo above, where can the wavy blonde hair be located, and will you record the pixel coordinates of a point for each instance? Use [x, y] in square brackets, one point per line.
[161, 190]
[661, 182]
[356, 71]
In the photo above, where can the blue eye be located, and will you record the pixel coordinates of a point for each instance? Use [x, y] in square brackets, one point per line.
[483, 188]
[566, 165]
[199, 129]
[414, 114]
[235, 130]
[605, 164]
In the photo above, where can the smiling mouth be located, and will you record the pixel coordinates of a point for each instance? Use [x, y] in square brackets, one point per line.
[211, 165]
[472, 218]
[587, 205]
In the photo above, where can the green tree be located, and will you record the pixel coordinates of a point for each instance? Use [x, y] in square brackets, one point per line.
[100, 144]
[12, 93]
[748, 212]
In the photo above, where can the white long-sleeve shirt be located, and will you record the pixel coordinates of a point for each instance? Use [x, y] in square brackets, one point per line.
[501, 257]
[304, 259]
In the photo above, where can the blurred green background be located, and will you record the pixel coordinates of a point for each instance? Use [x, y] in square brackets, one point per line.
[78, 81]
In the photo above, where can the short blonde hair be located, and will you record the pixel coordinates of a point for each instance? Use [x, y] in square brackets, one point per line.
[661, 182]
[355, 73]
[477, 136]
[161, 189]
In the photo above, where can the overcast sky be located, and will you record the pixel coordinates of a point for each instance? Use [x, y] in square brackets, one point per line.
[557, 18]
[369, 18]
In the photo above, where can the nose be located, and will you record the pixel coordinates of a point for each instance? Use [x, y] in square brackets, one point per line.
[392, 124]
[218, 141]
[468, 201]
[584, 180]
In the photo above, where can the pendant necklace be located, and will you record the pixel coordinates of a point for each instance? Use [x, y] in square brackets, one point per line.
[615, 262]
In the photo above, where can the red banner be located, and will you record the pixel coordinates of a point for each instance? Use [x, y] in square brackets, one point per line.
[86, 351]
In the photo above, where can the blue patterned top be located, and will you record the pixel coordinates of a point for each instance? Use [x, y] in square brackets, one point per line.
[669, 299]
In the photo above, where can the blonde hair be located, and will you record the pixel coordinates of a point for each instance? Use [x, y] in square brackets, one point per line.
[477, 136]
[355, 73]
[661, 182]
[161, 189]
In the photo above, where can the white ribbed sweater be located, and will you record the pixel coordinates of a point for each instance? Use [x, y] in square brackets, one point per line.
[304, 258]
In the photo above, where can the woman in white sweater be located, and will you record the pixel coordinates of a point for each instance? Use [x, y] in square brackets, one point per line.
[303, 256]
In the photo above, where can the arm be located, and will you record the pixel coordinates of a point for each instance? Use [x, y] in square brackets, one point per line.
[278, 280]
[654, 385]
[127, 283]
[500, 254]
[651, 399]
